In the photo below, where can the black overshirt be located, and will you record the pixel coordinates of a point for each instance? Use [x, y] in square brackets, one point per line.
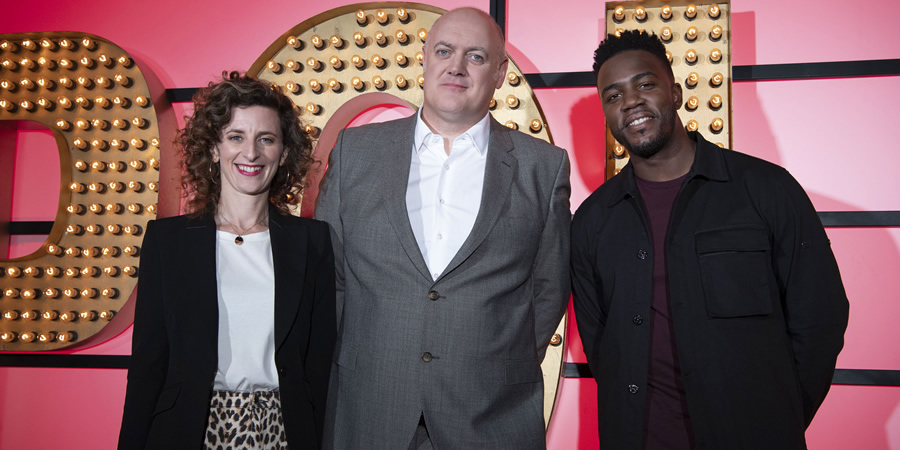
[758, 306]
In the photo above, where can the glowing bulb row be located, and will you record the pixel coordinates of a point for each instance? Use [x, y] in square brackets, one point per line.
[118, 144]
[666, 13]
[13, 64]
[716, 125]
[693, 79]
[692, 33]
[72, 293]
[117, 166]
[96, 229]
[65, 82]
[69, 104]
[382, 17]
[714, 103]
[47, 337]
[130, 250]
[380, 38]
[112, 208]
[50, 315]
[691, 56]
[338, 64]
[52, 44]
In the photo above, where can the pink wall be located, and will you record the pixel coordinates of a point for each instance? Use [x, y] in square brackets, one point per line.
[833, 135]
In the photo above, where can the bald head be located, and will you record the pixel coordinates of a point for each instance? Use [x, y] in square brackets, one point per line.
[478, 17]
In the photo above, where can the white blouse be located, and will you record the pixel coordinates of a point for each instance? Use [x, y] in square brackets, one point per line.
[245, 278]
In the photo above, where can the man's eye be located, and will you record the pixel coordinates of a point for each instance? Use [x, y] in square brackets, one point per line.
[612, 97]
[477, 58]
[442, 52]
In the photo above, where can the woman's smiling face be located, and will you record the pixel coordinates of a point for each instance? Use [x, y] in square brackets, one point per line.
[249, 152]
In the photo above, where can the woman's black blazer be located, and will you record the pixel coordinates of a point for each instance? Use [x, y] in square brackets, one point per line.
[174, 347]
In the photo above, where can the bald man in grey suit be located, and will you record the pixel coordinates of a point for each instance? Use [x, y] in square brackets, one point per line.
[451, 237]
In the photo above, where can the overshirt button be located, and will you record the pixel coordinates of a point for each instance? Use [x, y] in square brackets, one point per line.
[433, 296]
[631, 387]
[637, 319]
[642, 254]
[804, 244]
[426, 357]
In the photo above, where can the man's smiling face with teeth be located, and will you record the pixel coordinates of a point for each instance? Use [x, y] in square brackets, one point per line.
[639, 100]
[249, 152]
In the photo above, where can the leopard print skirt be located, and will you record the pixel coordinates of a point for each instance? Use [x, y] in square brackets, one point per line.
[245, 420]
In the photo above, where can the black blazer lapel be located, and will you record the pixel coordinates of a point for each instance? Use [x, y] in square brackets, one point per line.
[197, 269]
[289, 258]
[500, 168]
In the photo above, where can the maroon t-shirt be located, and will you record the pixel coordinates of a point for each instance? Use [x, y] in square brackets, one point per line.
[667, 423]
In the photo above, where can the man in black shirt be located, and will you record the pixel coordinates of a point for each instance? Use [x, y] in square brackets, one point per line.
[707, 296]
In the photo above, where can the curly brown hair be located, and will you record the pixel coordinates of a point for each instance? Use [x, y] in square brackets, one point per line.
[213, 106]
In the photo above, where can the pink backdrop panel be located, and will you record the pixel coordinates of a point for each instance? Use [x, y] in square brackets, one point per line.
[78, 409]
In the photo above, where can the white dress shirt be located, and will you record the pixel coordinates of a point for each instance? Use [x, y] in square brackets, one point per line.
[245, 279]
[443, 193]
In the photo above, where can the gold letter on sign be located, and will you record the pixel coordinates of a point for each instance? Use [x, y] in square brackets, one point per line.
[98, 104]
[346, 60]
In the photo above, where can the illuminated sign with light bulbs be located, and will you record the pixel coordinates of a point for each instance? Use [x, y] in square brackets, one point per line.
[96, 101]
[698, 45]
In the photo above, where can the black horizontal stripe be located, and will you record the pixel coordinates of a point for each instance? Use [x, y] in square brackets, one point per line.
[64, 361]
[829, 219]
[818, 70]
[30, 227]
[860, 218]
[855, 377]
[758, 72]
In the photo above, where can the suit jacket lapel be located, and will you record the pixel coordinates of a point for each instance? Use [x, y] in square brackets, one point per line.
[499, 169]
[398, 156]
[289, 256]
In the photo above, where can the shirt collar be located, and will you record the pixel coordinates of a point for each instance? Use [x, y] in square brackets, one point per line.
[478, 133]
[709, 163]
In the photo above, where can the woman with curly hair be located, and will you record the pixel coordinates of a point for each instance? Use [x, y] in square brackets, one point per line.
[235, 317]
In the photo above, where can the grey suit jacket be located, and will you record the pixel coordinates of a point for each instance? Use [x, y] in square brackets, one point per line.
[465, 349]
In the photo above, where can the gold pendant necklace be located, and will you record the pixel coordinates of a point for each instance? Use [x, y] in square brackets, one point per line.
[239, 240]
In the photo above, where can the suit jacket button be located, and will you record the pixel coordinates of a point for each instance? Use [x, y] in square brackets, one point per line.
[642, 254]
[433, 295]
[637, 319]
[427, 357]
[633, 388]
[281, 371]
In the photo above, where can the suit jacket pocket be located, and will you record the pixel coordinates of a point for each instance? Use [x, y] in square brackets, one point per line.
[523, 371]
[345, 355]
[167, 398]
[735, 268]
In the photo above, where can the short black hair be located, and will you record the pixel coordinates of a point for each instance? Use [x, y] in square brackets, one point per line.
[630, 40]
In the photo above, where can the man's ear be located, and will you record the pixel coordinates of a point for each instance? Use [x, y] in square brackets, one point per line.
[424, 56]
[501, 76]
[676, 92]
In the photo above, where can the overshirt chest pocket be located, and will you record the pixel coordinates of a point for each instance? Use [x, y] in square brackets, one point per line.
[735, 267]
